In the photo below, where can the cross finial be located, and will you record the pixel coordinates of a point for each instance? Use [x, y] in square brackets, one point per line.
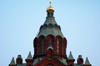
[50, 3]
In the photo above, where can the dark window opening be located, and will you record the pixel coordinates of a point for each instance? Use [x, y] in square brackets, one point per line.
[42, 45]
[57, 45]
[50, 41]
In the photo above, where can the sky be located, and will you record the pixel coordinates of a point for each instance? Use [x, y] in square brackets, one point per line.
[20, 21]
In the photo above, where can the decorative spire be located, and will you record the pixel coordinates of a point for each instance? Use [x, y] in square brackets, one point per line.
[70, 56]
[29, 56]
[12, 61]
[87, 61]
[50, 8]
[50, 4]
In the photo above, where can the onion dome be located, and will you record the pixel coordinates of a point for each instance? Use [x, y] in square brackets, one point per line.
[50, 8]
[50, 26]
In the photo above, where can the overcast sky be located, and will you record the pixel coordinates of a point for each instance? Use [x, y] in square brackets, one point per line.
[20, 21]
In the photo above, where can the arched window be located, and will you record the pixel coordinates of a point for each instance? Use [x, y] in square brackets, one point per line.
[48, 13]
[63, 48]
[36, 47]
[57, 45]
[50, 41]
[42, 45]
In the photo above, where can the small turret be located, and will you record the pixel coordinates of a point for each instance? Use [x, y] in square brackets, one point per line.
[80, 59]
[19, 60]
[70, 60]
[87, 63]
[29, 60]
[50, 33]
[12, 63]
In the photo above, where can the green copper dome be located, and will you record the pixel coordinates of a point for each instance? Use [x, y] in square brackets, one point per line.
[50, 26]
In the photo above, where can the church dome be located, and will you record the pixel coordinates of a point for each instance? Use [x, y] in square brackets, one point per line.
[50, 27]
[50, 8]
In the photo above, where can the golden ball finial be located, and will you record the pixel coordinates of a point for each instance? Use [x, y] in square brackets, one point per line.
[50, 8]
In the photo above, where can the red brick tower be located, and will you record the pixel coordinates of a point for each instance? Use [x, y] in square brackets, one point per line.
[50, 42]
